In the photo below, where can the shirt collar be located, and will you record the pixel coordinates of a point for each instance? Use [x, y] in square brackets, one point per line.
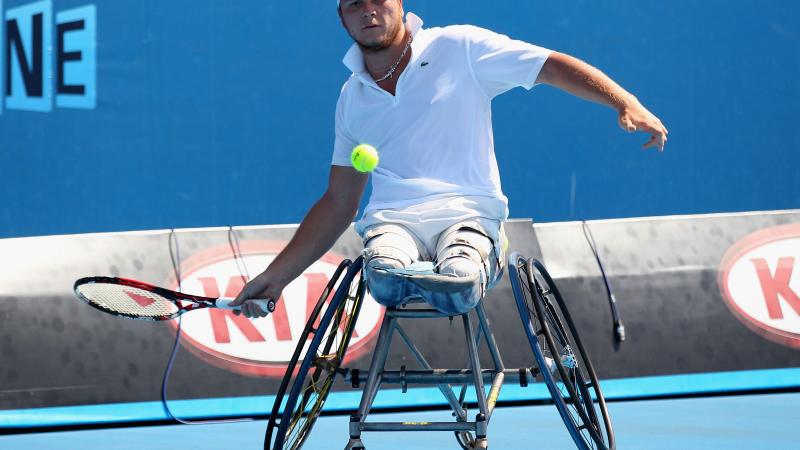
[354, 59]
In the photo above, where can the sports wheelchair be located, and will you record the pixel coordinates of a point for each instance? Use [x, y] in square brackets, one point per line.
[559, 359]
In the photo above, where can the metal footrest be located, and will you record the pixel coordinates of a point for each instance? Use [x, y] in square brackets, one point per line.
[441, 376]
[418, 426]
[444, 379]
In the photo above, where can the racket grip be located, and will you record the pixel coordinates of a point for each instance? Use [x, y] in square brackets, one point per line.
[267, 305]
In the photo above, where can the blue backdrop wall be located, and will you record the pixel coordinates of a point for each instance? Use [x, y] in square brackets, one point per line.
[213, 113]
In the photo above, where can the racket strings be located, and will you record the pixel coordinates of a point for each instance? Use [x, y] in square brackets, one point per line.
[127, 300]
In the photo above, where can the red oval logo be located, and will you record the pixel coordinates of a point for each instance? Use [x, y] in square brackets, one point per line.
[260, 347]
[760, 282]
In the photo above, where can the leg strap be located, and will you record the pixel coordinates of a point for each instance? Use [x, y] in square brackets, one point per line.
[455, 242]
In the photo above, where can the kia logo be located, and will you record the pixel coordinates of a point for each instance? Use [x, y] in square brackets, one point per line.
[760, 282]
[259, 347]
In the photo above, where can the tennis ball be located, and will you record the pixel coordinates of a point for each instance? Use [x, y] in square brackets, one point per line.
[364, 158]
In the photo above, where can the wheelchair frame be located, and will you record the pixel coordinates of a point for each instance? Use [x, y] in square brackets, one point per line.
[578, 410]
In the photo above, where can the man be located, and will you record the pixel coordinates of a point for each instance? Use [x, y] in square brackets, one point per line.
[422, 97]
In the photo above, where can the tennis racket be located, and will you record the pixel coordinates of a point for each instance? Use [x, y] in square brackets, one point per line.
[141, 301]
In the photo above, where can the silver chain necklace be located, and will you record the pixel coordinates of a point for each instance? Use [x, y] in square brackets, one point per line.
[394, 67]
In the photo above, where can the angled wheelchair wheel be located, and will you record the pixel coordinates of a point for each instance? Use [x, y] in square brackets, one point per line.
[562, 358]
[316, 360]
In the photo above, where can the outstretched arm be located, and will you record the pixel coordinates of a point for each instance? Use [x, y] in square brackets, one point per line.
[320, 228]
[579, 78]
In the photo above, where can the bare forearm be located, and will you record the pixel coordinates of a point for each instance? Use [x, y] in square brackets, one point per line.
[319, 230]
[323, 224]
[581, 79]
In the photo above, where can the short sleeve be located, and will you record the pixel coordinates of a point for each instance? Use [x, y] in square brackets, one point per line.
[500, 63]
[344, 141]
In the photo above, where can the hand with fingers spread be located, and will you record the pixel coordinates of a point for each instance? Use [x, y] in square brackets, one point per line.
[265, 286]
[635, 117]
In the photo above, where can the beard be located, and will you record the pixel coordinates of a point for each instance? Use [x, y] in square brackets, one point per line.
[374, 46]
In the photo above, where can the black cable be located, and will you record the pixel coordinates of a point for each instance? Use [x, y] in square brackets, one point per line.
[175, 258]
[619, 328]
[237, 252]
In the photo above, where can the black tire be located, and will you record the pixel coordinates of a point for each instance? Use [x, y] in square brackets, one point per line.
[311, 382]
[552, 334]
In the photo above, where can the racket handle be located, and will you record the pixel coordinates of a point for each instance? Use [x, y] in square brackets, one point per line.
[267, 305]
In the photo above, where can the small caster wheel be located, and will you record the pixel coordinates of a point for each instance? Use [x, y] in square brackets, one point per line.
[355, 444]
[480, 444]
[465, 439]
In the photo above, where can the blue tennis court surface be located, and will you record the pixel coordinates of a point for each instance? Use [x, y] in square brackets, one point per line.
[734, 422]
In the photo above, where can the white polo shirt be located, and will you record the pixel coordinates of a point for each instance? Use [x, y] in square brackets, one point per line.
[434, 137]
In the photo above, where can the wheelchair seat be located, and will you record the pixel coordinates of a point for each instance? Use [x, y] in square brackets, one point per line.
[448, 294]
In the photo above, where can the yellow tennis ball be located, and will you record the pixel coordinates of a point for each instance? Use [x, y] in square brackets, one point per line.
[364, 158]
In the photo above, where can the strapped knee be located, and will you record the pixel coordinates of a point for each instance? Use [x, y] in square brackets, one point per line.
[389, 249]
[459, 253]
[460, 260]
